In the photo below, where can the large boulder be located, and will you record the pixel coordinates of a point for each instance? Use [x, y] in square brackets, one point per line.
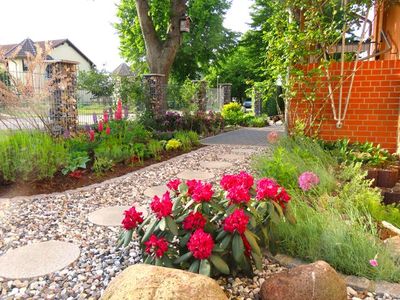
[147, 282]
[317, 281]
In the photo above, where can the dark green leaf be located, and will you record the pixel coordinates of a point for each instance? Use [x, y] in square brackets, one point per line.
[257, 260]
[167, 262]
[205, 267]
[221, 235]
[225, 242]
[149, 230]
[158, 262]
[162, 224]
[183, 258]
[128, 237]
[172, 225]
[237, 248]
[194, 267]
[219, 264]
[177, 205]
[183, 240]
[183, 188]
[252, 241]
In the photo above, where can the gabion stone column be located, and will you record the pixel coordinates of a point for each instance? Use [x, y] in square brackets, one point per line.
[257, 101]
[201, 96]
[63, 105]
[156, 89]
[226, 92]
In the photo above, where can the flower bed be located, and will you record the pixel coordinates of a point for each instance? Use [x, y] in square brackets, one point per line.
[209, 230]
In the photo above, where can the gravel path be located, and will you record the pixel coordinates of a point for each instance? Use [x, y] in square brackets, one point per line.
[64, 217]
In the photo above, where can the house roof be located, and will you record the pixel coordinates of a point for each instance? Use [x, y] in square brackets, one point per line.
[123, 70]
[28, 46]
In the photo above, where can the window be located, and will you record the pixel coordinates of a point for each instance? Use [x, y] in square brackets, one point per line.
[24, 66]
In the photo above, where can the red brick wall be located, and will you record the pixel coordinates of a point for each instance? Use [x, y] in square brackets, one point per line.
[374, 108]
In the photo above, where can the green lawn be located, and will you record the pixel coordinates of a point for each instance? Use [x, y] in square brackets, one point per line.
[92, 108]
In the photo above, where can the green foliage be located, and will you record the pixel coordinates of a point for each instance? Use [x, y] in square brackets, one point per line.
[31, 155]
[207, 41]
[76, 160]
[139, 150]
[155, 148]
[99, 83]
[173, 144]
[132, 92]
[194, 137]
[181, 96]
[232, 113]
[101, 165]
[185, 140]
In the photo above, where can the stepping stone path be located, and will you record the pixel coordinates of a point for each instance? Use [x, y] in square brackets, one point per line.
[37, 259]
[244, 151]
[112, 215]
[157, 190]
[230, 156]
[194, 174]
[215, 164]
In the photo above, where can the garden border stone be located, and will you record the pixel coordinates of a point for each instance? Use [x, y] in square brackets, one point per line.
[357, 283]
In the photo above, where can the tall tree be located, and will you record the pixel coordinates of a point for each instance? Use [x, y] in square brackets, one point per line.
[150, 29]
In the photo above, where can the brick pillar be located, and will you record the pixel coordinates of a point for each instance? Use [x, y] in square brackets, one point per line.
[226, 92]
[156, 89]
[201, 96]
[63, 105]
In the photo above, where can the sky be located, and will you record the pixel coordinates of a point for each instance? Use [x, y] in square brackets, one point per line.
[86, 23]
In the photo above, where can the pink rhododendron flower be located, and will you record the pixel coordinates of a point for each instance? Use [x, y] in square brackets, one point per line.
[238, 221]
[132, 218]
[194, 221]
[156, 245]
[307, 180]
[174, 184]
[202, 192]
[272, 137]
[266, 189]
[243, 178]
[200, 244]
[162, 207]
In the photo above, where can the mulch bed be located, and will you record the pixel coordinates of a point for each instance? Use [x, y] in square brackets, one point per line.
[60, 183]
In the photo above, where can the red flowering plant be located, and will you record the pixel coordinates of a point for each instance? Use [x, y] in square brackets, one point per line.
[207, 229]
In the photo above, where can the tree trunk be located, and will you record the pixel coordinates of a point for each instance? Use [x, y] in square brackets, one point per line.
[160, 54]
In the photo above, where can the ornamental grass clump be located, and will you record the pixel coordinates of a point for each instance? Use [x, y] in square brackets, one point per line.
[207, 229]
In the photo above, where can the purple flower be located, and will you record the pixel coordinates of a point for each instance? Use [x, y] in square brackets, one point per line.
[307, 180]
[87, 128]
[94, 118]
[126, 111]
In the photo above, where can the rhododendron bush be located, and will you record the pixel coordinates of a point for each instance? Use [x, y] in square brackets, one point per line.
[208, 229]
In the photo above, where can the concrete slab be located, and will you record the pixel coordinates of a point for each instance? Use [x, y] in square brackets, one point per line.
[215, 164]
[157, 190]
[195, 174]
[37, 259]
[112, 215]
[229, 156]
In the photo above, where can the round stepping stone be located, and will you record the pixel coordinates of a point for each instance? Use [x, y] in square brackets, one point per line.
[230, 156]
[216, 164]
[244, 151]
[157, 190]
[37, 259]
[193, 174]
[112, 215]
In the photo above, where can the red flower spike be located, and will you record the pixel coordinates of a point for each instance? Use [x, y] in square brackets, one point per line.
[100, 127]
[91, 135]
[108, 130]
[105, 117]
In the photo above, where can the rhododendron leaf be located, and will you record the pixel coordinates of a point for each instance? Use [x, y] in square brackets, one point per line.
[172, 225]
[219, 264]
[158, 262]
[237, 248]
[183, 217]
[189, 204]
[183, 258]
[149, 259]
[194, 267]
[205, 267]
[206, 208]
[183, 188]
[253, 222]
[147, 220]
[230, 209]
[196, 207]
[176, 206]
[183, 241]
[127, 237]
[149, 230]
[252, 241]
[221, 235]
[289, 215]
[225, 242]
[278, 208]
[162, 224]
[264, 232]
[167, 262]
[272, 213]
[257, 260]
[218, 249]
[216, 206]
[121, 239]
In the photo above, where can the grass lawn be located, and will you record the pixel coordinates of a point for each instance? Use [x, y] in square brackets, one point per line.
[92, 108]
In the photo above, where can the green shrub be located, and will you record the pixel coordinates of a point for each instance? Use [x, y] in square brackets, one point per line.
[172, 145]
[113, 150]
[232, 113]
[194, 138]
[76, 160]
[101, 165]
[31, 155]
[185, 140]
[155, 148]
[258, 121]
[139, 150]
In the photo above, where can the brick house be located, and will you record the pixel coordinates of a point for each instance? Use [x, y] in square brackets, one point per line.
[373, 108]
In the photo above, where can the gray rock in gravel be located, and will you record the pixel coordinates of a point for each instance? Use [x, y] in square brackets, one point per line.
[317, 281]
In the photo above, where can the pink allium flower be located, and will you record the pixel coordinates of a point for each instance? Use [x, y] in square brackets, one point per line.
[373, 262]
[272, 137]
[307, 180]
